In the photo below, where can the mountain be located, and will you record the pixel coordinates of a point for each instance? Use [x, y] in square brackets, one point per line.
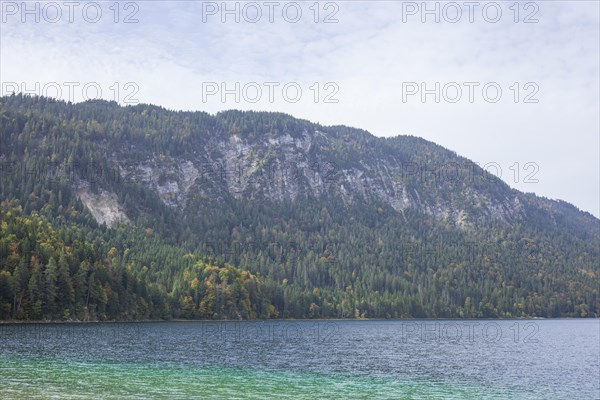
[113, 212]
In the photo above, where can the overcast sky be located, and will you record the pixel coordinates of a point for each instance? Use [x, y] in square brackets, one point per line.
[516, 84]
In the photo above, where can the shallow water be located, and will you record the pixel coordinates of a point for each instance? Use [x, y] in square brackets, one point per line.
[541, 359]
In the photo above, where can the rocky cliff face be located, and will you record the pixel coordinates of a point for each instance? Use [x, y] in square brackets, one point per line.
[283, 167]
[103, 206]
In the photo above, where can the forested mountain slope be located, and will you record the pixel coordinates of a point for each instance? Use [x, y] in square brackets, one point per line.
[113, 212]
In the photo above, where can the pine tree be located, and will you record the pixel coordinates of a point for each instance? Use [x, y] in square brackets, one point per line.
[51, 288]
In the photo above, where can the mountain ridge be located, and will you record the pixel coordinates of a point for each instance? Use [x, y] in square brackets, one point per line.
[326, 220]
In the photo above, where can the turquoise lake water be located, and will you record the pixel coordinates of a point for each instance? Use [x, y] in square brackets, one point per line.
[509, 359]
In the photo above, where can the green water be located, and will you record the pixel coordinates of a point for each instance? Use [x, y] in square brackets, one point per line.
[35, 379]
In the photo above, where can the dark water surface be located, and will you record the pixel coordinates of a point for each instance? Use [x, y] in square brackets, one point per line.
[509, 359]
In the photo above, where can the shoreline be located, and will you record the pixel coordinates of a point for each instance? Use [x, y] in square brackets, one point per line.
[57, 322]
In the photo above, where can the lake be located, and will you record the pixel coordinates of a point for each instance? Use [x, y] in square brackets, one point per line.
[466, 359]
